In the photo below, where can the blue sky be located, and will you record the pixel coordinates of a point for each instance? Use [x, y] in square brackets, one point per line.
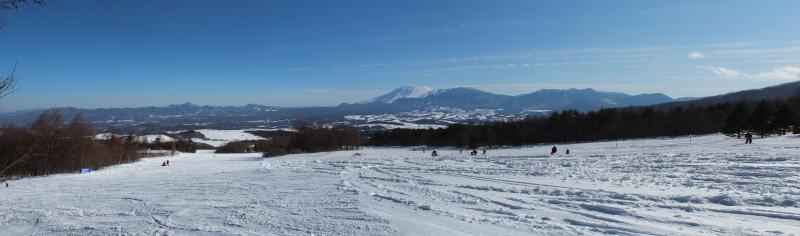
[93, 53]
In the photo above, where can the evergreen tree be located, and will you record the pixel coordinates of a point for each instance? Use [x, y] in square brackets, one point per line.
[759, 120]
[607, 124]
[783, 117]
[736, 120]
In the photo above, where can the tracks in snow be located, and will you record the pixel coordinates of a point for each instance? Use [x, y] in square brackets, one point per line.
[536, 195]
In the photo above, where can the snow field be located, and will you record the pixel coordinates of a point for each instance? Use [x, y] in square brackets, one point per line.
[217, 138]
[709, 185]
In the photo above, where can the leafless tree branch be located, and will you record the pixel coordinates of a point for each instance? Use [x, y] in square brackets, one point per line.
[8, 84]
[15, 4]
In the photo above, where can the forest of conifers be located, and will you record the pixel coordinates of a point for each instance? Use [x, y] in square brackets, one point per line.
[759, 117]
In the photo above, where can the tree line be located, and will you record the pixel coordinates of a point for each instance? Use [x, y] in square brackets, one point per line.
[246, 146]
[51, 145]
[177, 145]
[732, 118]
[311, 138]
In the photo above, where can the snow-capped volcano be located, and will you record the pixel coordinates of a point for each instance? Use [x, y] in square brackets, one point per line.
[408, 91]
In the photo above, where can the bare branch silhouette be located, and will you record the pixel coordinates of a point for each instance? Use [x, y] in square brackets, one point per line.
[8, 84]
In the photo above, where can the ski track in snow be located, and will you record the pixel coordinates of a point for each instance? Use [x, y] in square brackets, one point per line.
[711, 186]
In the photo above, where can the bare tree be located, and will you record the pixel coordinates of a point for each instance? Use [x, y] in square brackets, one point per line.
[15, 4]
[7, 85]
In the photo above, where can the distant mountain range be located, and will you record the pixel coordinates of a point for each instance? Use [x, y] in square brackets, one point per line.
[409, 98]
[407, 106]
[774, 92]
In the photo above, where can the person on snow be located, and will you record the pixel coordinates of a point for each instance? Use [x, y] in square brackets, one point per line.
[567, 152]
[748, 138]
[484, 151]
[553, 150]
[167, 162]
[163, 163]
[434, 154]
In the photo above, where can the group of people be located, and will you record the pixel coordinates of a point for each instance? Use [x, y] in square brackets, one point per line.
[474, 152]
[554, 150]
[748, 139]
[165, 163]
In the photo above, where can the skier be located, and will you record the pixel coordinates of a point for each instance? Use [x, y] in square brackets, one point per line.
[553, 150]
[434, 154]
[484, 152]
[748, 138]
[167, 162]
[567, 152]
[163, 163]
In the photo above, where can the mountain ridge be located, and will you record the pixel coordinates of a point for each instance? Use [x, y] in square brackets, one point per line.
[406, 106]
[780, 91]
[544, 99]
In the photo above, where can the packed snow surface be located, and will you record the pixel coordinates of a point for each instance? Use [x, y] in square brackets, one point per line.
[709, 185]
[217, 138]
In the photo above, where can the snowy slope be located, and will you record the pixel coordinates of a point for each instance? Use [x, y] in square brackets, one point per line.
[709, 185]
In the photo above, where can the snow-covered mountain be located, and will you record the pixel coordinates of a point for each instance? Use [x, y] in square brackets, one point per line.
[472, 98]
[406, 106]
[463, 98]
[408, 91]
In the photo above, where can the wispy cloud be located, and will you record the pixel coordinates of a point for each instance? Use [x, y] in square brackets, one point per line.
[525, 58]
[722, 71]
[780, 73]
[738, 51]
[452, 29]
[695, 55]
[657, 59]
[783, 73]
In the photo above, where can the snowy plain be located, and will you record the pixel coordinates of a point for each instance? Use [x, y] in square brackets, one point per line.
[218, 138]
[706, 185]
